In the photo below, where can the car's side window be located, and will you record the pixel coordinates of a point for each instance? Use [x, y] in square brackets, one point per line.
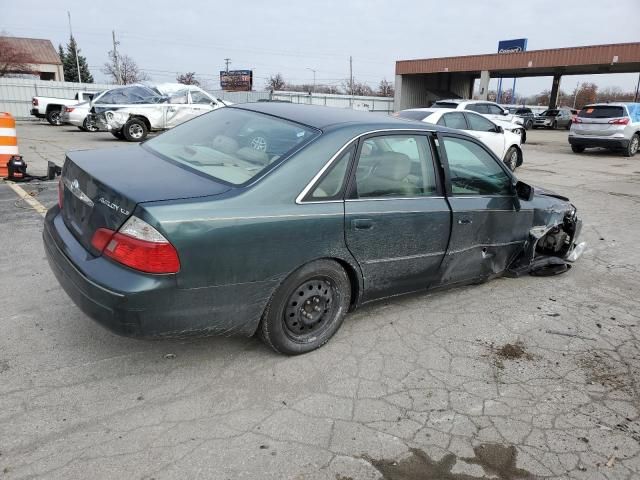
[494, 109]
[395, 166]
[479, 123]
[330, 187]
[473, 171]
[455, 120]
[199, 97]
[478, 107]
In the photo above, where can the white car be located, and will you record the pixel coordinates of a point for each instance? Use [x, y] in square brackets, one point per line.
[504, 143]
[133, 120]
[490, 110]
[77, 115]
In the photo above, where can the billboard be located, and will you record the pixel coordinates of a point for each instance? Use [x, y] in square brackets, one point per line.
[512, 46]
[236, 80]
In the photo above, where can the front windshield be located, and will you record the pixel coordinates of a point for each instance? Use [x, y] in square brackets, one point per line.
[549, 113]
[231, 144]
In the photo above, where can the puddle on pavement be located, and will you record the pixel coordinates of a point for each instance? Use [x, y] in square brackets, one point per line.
[497, 461]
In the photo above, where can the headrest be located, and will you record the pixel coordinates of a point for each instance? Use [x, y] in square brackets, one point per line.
[392, 165]
[225, 144]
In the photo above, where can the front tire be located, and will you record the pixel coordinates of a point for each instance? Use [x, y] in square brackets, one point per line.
[307, 309]
[554, 125]
[511, 158]
[633, 146]
[117, 134]
[135, 130]
[577, 149]
[89, 126]
[53, 117]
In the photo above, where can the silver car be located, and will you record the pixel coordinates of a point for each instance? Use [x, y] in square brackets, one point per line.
[615, 126]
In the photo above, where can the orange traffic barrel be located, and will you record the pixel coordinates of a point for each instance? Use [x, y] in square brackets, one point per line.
[8, 141]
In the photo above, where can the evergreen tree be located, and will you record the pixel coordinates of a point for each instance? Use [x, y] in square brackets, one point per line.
[70, 66]
[61, 54]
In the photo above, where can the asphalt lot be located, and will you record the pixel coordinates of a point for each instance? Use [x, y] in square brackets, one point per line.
[418, 387]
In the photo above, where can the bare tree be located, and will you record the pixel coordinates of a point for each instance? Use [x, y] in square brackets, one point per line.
[123, 69]
[385, 89]
[357, 88]
[585, 94]
[12, 59]
[276, 82]
[188, 78]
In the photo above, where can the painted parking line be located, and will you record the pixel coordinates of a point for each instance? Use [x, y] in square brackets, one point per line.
[28, 199]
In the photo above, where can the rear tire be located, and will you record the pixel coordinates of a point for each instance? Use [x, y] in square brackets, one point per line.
[135, 130]
[307, 309]
[53, 117]
[633, 146]
[511, 158]
[577, 149]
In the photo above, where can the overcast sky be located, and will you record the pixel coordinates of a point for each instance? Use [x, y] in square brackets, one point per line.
[165, 37]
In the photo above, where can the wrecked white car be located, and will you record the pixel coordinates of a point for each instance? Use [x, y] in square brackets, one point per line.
[169, 105]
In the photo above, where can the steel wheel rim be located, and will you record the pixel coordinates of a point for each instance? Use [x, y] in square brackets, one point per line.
[513, 160]
[310, 308]
[55, 116]
[259, 144]
[135, 131]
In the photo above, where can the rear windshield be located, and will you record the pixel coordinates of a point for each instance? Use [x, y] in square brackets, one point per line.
[602, 111]
[231, 144]
[412, 114]
[445, 105]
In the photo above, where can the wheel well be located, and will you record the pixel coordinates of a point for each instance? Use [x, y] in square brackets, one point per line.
[354, 280]
[53, 107]
[144, 119]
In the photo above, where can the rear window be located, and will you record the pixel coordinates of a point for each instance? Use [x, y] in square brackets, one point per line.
[602, 111]
[231, 144]
[445, 105]
[412, 115]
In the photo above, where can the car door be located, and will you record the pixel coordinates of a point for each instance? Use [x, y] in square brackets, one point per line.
[177, 110]
[496, 113]
[397, 221]
[487, 132]
[489, 225]
[201, 103]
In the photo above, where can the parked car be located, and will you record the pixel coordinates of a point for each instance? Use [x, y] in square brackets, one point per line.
[553, 118]
[490, 110]
[525, 113]
[171, 106]
[195, 231]
[80, 114]
[615, 126]
[51, 108]
[505, 144]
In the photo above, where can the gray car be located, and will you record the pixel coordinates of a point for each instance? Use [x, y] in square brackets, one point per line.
[615, 126]
[553, 118]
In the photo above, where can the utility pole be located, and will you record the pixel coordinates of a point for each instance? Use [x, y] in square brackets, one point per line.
[227, 61]
[314, 79]
[115, 57]
[637, 96]
[75, 47]
[575, 97]
[351, 79]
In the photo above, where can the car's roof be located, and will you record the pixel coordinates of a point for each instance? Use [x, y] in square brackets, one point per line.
[463, 100]
[321, 117]
[611, 104]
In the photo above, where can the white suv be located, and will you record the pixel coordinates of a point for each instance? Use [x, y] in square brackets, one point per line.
[610, 125]
[491, 110]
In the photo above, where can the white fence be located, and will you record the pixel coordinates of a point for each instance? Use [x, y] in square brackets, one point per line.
[16, 95]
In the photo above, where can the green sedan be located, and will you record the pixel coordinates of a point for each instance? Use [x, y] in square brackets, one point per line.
[278, 219]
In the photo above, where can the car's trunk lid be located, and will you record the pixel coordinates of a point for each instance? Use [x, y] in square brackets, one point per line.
[596, 120]
[102, 187]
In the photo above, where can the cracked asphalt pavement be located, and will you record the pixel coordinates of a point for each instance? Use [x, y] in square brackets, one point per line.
[515, 378]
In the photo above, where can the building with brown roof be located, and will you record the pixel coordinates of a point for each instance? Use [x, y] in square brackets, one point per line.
[34, 56]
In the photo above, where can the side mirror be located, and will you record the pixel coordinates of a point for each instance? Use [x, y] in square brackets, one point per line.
[505, 112]
[524, 191]
[498, 129]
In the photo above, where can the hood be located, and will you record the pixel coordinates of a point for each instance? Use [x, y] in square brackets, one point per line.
[539, 191]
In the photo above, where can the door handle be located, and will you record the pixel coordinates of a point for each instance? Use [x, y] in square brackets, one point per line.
[464, 221]
[362, 223]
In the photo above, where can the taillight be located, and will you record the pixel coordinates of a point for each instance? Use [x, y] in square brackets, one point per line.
[577, 120]
[69, 109]
[619, 121]
[60, 193]
[139, 246]
[34, 101]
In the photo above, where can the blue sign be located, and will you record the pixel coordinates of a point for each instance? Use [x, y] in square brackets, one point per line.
[512, 46]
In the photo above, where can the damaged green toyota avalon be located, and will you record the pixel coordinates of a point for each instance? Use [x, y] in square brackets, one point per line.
[278, 219]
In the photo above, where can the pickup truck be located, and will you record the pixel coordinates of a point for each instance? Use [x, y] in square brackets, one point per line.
[51, 108]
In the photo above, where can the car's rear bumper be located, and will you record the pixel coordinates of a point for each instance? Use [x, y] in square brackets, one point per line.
[135, 304]
[586, 142]
[36, 113]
